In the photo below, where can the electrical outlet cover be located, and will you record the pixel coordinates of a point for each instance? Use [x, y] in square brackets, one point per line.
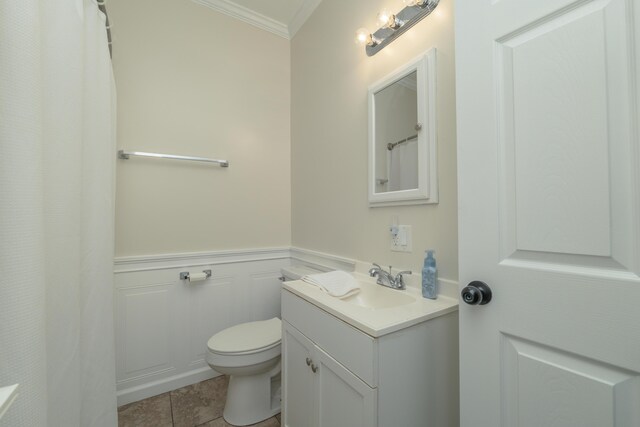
[401, 242]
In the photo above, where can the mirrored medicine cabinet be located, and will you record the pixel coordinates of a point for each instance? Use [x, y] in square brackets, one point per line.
[402, 135]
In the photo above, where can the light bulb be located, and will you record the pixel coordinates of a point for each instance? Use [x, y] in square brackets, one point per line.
[363, 36]
[384, 16]
[388, 19]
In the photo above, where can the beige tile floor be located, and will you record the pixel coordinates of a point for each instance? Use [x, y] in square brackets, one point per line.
[199, 404]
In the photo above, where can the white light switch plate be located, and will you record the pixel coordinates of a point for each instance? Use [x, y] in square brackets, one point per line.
[401, 242]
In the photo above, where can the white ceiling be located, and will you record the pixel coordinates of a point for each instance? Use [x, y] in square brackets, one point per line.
[281, 17]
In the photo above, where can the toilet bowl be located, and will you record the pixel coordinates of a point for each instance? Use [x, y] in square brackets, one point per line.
[250, 354]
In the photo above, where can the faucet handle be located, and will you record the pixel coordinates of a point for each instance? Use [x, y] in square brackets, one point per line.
[399, 275]
[400, 279]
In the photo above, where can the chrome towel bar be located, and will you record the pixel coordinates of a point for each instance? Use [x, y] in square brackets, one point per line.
[124, 155]
[392, 145]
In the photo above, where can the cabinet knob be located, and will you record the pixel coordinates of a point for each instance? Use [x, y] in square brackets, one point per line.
[314, 368]
[308, 362]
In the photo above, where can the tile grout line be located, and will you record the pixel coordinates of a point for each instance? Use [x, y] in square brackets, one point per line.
[173, 423]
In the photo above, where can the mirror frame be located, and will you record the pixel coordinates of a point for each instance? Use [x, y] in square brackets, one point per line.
[427, 191]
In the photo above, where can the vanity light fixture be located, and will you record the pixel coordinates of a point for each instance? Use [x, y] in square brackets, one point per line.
[394, 24]
[420, 3]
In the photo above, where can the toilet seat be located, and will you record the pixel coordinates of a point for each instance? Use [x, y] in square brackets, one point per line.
[247, 338]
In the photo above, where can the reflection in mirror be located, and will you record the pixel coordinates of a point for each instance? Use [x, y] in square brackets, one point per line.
[402, 135]
[396, 125]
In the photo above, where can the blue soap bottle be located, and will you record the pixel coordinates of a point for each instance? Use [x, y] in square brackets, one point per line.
[429, 276]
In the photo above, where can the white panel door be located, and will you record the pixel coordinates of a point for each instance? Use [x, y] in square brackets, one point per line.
[549, 202]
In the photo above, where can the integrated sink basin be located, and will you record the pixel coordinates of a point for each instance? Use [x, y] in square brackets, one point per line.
[379, 297]
[376, 310]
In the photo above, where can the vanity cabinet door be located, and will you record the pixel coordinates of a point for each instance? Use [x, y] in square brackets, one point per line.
[319, 391]
[298, 379]
[343, 399]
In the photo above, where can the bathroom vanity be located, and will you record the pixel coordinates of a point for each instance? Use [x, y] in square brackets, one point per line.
[380, 358]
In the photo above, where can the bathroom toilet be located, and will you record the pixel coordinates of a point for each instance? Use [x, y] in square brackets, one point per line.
[250, 354]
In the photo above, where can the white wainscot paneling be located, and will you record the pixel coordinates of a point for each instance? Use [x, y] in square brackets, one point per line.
[265, 295]
[163, 323]
[146, 340]
[210, 311]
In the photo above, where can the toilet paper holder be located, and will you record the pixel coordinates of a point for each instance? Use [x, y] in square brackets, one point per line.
[185, 275]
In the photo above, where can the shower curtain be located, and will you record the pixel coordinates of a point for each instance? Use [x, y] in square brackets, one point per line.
[403, 166]
[57, 157]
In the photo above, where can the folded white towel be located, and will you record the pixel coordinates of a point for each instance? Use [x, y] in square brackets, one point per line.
[336, 283]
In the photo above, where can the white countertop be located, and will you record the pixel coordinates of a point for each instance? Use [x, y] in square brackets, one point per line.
[376, 322]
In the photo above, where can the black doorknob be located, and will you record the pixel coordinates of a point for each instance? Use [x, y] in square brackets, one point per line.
[476, 293]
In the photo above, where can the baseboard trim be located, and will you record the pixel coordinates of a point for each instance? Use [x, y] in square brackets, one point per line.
[154, 388]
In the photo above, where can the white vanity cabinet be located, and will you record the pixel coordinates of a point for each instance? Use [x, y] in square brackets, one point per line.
[335, 375]
[319, 391]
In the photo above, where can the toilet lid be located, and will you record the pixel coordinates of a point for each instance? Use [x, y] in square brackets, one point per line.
[247, 337]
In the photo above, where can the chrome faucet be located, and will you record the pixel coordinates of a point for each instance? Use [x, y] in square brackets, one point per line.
[386, 278]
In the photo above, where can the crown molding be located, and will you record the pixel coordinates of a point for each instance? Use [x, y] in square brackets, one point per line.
[259, 20]
[242, 13]
[301, 16]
